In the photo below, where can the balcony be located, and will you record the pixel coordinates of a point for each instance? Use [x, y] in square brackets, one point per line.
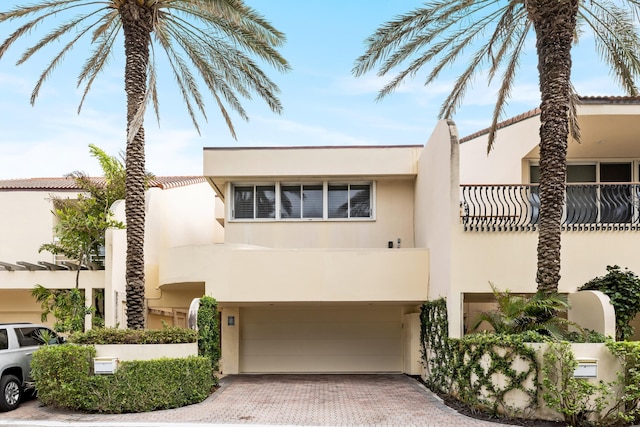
[588, 207]
[241, 273]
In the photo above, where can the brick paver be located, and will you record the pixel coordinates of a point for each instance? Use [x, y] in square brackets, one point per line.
[299, 400]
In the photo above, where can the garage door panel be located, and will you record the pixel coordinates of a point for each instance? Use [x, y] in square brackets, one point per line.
[356, 347]
[322, 330]
[325, 364]
[313, 339]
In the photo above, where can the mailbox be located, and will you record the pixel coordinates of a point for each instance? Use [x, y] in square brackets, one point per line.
[105, 365]
[587, 368]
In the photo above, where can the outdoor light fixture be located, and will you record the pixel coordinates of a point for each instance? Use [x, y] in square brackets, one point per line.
[231, 320]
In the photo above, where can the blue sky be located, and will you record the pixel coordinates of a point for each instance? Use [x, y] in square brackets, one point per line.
[323, 103]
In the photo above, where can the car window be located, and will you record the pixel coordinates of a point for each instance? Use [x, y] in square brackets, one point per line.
[30, 336]
[4, 339]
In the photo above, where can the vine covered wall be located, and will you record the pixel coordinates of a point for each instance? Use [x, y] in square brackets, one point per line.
[490, 372]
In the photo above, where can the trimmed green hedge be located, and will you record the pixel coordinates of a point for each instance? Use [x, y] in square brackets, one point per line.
[131, 336]
[64, 378]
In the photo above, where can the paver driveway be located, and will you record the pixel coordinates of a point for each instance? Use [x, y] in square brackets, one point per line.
[320, 400]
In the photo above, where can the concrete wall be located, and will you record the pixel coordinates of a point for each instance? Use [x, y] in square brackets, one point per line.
[437, 212]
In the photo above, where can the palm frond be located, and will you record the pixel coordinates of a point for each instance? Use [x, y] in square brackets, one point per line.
[617, 40]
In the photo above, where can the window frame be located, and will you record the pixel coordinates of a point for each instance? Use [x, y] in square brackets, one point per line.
[278, 202]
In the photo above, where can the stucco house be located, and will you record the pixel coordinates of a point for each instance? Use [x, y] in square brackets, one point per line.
[329, 251]
[321, 257]
[179, 211]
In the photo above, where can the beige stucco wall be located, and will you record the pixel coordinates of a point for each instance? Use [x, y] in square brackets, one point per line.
[17, 305]
[393, 220]
[503, 165]
[593, 310]
[27, 224]
[509, 259]
[175, 216]
[251, 274]
[608, 132]
[436, 214]
[125, 352]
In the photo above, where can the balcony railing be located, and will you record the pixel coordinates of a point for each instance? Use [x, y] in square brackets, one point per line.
[517, 207]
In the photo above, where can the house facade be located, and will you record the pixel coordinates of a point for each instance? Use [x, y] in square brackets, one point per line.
[320, 271]
[180, 210]
[330, 251]
[321, 257]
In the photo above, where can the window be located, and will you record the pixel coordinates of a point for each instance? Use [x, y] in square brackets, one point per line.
[4, 339]
[604, 193]
[301, 201]
[32, 336]
[349, 201]
[254, 201]
[298, 201]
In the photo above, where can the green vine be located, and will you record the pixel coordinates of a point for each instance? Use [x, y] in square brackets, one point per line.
[467, 368]
[209, 330]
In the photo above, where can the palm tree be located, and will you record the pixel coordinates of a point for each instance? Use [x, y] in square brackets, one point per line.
[441, 31]
[213, 37]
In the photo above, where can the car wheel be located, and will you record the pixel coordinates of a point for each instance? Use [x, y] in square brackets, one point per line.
[11, 392]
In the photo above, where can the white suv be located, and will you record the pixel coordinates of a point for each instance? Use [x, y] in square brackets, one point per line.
[18, 341]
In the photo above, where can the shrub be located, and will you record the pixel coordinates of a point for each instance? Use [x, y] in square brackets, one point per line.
[209, 330]
[516, 314]
[131, 336]
[63, 376]
[626, 409]
[623, 289]
[579, 401]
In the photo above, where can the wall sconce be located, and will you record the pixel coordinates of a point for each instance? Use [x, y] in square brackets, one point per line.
[231, 320]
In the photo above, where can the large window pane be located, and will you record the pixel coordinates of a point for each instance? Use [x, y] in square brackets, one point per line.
[338, 201]
[582, 207]
[360, 201]
[266, 201]
[615, 199]
[312, 201]
[290, 201]
[243, 202]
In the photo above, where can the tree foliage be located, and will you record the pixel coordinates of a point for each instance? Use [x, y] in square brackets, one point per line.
[82, 222]
[80, 235]
[65, 305]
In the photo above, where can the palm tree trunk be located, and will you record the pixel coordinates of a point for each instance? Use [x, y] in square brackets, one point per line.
[137, 26]
[554, 22]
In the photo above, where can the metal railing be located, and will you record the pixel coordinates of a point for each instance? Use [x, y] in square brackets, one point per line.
[517, 207]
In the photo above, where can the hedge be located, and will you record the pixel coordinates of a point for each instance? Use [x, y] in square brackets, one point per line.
[130, 336]
[64, 378]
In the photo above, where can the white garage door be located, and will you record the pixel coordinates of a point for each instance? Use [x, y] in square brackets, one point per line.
[321, 339]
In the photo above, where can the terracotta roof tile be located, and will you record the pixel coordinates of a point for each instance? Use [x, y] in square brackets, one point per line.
[68, 184]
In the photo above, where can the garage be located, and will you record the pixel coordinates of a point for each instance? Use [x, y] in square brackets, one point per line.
[321, 339]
